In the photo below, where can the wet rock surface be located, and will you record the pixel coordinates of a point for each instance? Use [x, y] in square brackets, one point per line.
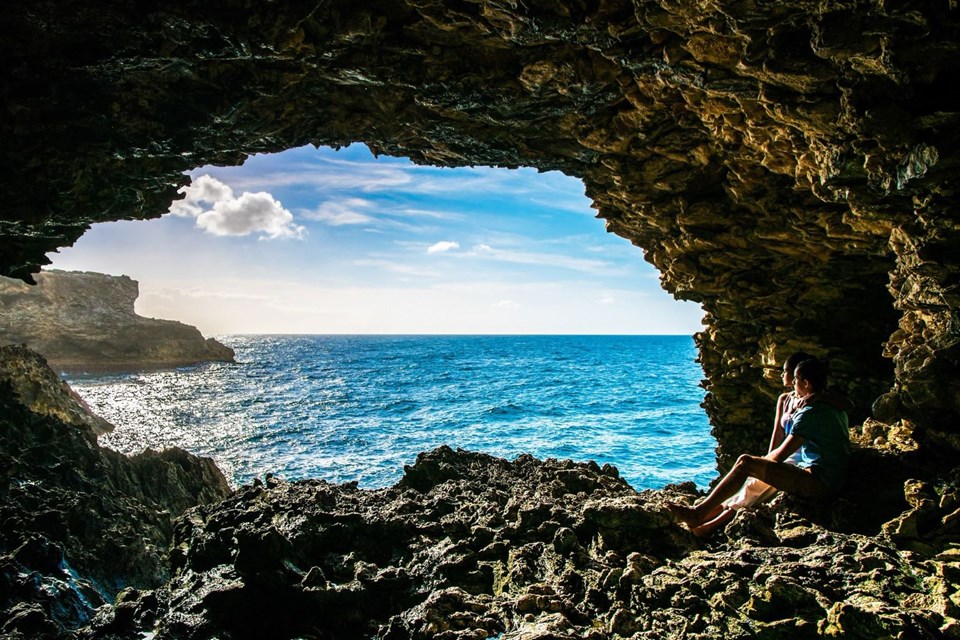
[79, 522]
[86, 322]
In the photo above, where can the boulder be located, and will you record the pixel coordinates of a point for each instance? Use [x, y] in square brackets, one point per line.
[80, 522]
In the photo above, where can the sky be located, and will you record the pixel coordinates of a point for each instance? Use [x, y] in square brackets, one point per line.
[325, 241]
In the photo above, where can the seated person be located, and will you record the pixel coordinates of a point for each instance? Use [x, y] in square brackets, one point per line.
[810, 460]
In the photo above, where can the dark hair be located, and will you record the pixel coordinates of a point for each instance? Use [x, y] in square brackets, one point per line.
[794, 359]
[815, 372]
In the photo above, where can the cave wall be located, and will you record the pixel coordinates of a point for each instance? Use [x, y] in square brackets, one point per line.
[789, 166]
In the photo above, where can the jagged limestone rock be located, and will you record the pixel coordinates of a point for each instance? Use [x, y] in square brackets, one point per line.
[468, 546]
[80, 522]
[33, 384]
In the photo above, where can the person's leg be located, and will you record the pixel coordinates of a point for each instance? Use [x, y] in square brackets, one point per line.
[694, 516]
[710, 506]
[780, 475]
[792, 479]
[712, 524]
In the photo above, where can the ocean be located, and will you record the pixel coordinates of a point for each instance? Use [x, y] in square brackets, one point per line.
[358, 408]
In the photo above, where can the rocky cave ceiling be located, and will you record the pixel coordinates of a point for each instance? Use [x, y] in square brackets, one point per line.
[791, 166]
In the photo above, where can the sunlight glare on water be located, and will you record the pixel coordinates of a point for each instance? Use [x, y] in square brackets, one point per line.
[359, 408]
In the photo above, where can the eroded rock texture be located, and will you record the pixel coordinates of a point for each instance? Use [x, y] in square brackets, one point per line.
[467, 546]
[80, 523]
[790, 166]
[100, 546]
[87, 322]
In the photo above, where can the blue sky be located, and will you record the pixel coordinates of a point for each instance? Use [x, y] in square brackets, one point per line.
[323, 241]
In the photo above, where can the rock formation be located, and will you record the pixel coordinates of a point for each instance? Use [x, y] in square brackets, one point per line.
[467, 546]
[789, 166]
[80, 522]
[43, 393]
[99, 546]
[86, 321]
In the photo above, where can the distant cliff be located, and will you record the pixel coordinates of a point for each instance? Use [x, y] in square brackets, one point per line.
[81, 320]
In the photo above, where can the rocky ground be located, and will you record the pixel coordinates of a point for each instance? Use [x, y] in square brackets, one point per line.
[86, 321]
[79, 522]
[470, 546]
[98, 546]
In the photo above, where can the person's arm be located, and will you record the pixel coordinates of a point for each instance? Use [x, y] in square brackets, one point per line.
[790, 444]
[778, 433]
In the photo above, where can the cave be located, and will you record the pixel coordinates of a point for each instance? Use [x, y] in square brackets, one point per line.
[790, 167]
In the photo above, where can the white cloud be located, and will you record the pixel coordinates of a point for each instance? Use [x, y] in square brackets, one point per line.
[206, 188]
[426, 213]
[360, 211]
[203, 189]
[205, 294]
[250, 213]
[541, 259]
[341, 212]
[220, 213]
[392, 266]
[326, 175]
[442, 246]
[608, 300]
[395, 175]
[569, 202]
[506, 304]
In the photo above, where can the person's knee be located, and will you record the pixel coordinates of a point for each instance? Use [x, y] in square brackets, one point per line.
[751, 465]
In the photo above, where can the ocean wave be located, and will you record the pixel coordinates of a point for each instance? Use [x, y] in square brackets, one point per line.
[358, 408]
[508, 409]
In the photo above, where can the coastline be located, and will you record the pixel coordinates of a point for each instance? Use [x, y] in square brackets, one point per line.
[86, 320]
[121, 368]
[465, 545]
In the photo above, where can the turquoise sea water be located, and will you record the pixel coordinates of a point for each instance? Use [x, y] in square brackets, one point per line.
[347, 408]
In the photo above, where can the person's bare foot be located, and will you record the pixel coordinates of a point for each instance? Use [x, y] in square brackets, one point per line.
[684, 514]
[710, 526]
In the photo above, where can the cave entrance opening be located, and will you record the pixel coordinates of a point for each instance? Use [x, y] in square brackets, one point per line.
[381, 308]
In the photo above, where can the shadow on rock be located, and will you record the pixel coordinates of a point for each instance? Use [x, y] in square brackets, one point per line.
[80, 522]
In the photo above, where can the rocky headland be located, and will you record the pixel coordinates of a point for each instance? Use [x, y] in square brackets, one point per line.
[86, 321]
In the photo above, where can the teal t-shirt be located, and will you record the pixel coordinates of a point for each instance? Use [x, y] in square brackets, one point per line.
[826, 447]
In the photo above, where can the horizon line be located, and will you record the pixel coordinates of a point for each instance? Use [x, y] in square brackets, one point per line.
[468, 335]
